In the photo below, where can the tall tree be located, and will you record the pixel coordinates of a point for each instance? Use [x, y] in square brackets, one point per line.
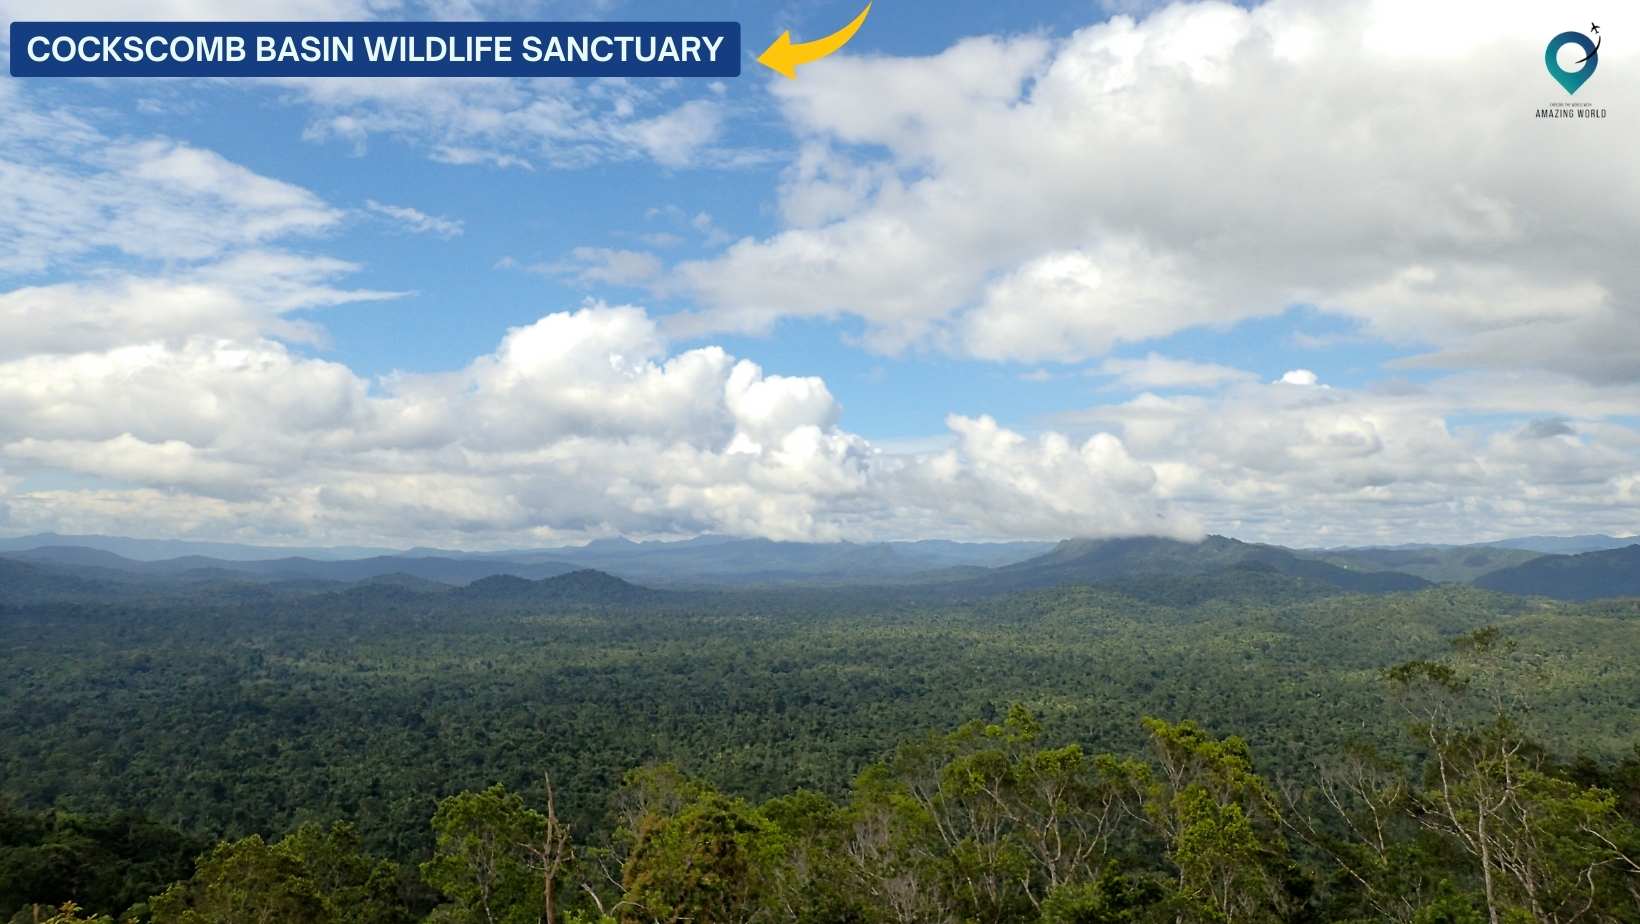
[480, 860]
[1545, 847]
[1220, 822]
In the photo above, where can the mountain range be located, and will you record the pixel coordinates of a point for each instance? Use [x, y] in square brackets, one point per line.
[1587, 576]
[159, 549]
[1093, 561]
[109, 566]
[707, 560]
[622, 570]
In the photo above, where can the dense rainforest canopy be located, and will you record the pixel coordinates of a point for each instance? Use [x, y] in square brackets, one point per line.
[1235, 746]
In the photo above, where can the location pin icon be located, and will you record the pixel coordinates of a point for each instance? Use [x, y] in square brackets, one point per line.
[1571, 80]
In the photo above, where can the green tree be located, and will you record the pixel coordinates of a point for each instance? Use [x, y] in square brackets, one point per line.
[1547, 849]
[244, 882]
[358, 888]
[1112, 898]
[481, 857]
[1220, 822]
[811, 879]
[983, 822]
[316, 875]
[69, 913]
[711, 861]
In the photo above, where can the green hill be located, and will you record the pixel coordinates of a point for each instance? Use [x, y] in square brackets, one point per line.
[1589, 576]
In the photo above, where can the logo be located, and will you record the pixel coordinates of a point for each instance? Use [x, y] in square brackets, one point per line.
[1571, 80]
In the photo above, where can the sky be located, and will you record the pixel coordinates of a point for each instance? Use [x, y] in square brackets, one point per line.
[1307, 272]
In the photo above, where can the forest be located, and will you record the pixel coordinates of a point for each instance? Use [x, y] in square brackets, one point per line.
[1240, 745]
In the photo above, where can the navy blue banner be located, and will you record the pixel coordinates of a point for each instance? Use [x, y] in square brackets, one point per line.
[375, 49]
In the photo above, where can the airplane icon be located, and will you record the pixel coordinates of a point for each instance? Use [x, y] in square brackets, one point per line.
[1594, 28]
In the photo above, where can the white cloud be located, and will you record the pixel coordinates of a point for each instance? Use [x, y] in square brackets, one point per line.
[1022, 199]
[676, 138]
[417, 221]
[598, 266]
[164, 381]
[191, 10]
[169, 392]
[499, 122]
[580, 424]
[519, 123]
[1155, 371]
[1013, 199]
[244, 295]
[169, 463]
[588, 422]
[1047, 486]
[76, 195]
[699, 224]
[168, 241]
[1291, 462]
[1068, 305]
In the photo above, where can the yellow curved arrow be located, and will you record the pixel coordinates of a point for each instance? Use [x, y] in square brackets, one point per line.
[784, 57]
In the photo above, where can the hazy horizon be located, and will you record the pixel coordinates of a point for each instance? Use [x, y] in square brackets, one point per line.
[355, 550]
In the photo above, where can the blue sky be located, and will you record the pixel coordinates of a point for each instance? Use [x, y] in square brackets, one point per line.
[1001, 272]
[460, 300]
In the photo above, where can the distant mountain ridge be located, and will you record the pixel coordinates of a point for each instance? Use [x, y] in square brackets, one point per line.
[627, 569]
[1566, 545]
[442, 570]
[1105, 560]
[717, 559]
[1460, 563]
[1543, 545]
[1587, 576]
[704, 559]
[160, 549]
[23, 582]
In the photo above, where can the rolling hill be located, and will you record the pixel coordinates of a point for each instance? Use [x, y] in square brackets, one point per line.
[1565, 545]
[1441, 564]
[200, 568]
[722, 560]
[1217, 565]
[1589, 576]
[24, 582]
[1096, 561]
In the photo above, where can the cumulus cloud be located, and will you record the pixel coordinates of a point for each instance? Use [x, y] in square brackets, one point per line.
[169, 385]
[1046, 486]
[583, 423]
[1290, 462]
[1016, 199]
[1068, 305]
[589, 422]
[1299, 377]
[1029, 199]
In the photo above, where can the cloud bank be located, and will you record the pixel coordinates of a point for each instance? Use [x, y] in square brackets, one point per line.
[581, 424]
[1012, 199]
[1026, 199]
